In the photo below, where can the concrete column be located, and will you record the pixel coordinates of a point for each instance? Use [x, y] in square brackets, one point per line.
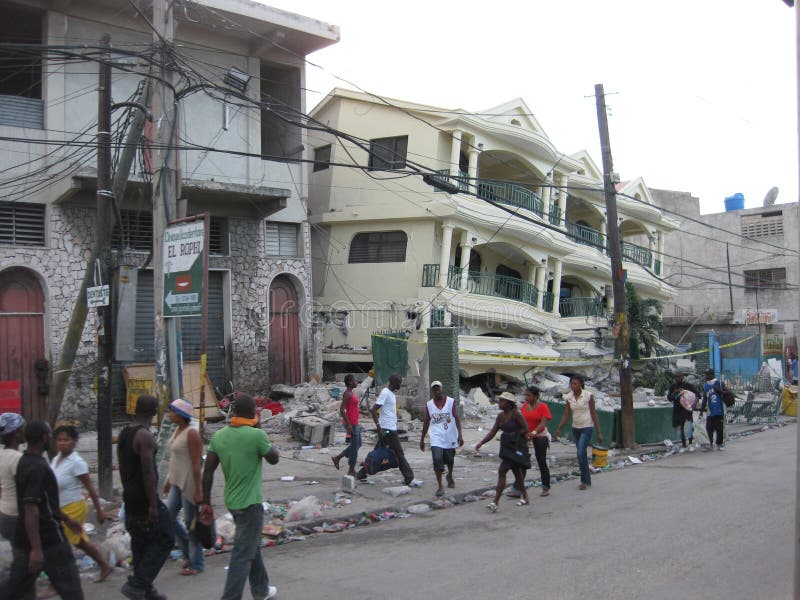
[556, 284]
[604, 228]
[444, 258]
[455, 153]
[651, 244]
[473, 169]
[546, 193]
[466, 251]
[562, 199]
[541, 272]
[660, 246]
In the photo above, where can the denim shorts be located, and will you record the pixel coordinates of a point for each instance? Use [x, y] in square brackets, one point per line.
[442, 457]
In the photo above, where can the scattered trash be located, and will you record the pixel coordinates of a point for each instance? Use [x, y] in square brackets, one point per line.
[312, 482]
[226, 530]
[272, 530]
[348, 483]
[287, 478]
[634, 460]
[399, 490]
[89, 528]
[416, 483]
[306, 508]
[418, 509]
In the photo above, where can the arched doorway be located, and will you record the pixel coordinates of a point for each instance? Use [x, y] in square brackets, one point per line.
[284, 333]
[22, 337]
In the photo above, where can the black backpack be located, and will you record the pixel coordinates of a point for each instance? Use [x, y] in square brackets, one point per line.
[728, 397]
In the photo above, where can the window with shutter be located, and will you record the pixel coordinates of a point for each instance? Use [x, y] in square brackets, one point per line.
[388, 153]
[281, 239]
[22, 224]
[378, 247]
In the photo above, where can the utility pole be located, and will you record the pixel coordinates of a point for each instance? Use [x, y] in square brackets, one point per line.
[728, 259]
[163, 108]
[80, 310]
[618, 276]
[797, 445]
[105, 347]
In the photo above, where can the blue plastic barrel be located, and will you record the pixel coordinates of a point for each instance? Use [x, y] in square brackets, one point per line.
[735, 202]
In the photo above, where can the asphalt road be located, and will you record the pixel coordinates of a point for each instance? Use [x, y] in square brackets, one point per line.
[702, 525]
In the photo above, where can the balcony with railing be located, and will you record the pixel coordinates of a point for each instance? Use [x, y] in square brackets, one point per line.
[580, 307]
[495, 191]
[486, 284]
[585, 235]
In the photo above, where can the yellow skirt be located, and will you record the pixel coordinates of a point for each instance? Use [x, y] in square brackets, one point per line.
[78, 511]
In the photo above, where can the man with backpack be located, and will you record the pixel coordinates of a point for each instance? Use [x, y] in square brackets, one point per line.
[712, 399]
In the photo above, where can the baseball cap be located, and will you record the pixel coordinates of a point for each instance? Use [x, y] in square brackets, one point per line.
[435, 383]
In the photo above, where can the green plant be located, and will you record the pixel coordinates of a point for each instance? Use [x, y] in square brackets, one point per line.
[644, 323]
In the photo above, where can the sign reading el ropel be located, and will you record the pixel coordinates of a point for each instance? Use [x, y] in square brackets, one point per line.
[183, 269]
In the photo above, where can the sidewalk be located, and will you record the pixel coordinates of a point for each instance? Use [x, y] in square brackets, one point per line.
[314, 475]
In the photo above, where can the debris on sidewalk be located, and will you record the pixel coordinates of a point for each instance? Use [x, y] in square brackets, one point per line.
[395, 491]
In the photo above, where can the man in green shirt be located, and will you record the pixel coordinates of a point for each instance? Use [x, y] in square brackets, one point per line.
[239, 448]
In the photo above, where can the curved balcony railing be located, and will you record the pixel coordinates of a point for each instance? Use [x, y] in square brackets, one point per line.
[486, 284]
[496, 191]
[586, 235]
[580, 307]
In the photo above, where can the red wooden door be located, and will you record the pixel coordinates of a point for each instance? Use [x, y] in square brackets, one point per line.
[284, 333]
[22, 336]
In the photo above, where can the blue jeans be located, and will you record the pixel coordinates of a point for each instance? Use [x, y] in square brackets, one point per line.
[351, 452]
[246, 560]
[582, 438]
[190, 547]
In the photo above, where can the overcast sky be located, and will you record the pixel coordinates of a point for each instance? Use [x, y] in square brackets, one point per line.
[704, 90]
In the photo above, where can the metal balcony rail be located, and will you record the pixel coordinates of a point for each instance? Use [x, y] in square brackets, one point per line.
[585, 235]
[486, 284]
[496, 191]
[580, 307]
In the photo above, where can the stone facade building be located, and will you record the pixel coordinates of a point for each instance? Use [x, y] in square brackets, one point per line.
[259, 328]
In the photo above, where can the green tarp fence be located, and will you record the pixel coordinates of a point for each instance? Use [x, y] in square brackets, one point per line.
[389, 354]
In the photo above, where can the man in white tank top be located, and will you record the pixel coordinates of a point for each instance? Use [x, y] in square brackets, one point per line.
[441, 419]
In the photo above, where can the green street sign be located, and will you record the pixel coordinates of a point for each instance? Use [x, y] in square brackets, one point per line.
[183, 269]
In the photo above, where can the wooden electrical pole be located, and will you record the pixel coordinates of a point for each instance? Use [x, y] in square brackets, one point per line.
[105, 347]
[80, 309]
[618, 275]
[165, 183]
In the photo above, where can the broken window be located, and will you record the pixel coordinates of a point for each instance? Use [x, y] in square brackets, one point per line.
[388, 153]
[281, 113]
[21, 68]
[322, 158]
[137, 232]
[378, 247]
[761, 279]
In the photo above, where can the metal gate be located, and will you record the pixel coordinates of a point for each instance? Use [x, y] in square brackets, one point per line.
[22, 337]
[190, 326]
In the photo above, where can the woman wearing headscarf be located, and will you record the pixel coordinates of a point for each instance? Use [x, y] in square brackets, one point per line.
[12, 434]
[184, 485]
[514, 453]
[580, 404]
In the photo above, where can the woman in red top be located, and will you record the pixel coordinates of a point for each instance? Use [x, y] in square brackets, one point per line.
[537, 414]
[348, 409]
